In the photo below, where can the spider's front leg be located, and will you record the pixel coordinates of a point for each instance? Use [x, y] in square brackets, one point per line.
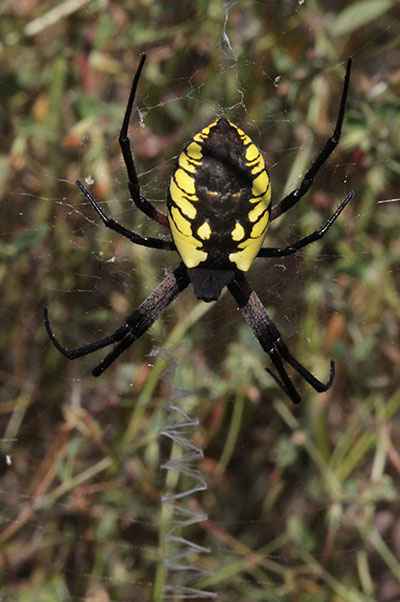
[270, 340]
[307, 240]
[145, 241]
[294, 197]
[134, 188]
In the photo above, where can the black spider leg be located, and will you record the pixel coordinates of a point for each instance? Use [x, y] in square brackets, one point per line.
[134, 188]
[270, 339]
[293, 197]
[134, 326]
[146, 241]
[307, 240]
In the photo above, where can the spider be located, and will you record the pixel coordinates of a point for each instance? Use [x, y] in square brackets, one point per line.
[219, 208]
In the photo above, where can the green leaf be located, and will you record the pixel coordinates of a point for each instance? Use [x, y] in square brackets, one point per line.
[28, 239]
[299, 533]
[358, 14]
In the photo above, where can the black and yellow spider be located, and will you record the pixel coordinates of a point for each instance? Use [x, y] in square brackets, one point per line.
[219, 208]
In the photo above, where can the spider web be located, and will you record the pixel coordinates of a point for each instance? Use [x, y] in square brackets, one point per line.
[247, 443]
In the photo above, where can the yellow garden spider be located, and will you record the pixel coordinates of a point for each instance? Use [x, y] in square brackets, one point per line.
[219, 208]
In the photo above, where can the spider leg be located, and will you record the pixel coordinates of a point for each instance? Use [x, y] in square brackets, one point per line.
[134, 326]
[134, 188]
[72, 354]
[307, 240]
[288, 357]
[147, 313]
[270, 339]
[145, 241]
[293, 197]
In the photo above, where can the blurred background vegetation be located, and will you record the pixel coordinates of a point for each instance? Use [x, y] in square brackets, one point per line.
[303, 502]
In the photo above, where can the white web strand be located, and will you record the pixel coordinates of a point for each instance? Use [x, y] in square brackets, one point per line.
[181, 572]
[225, 43]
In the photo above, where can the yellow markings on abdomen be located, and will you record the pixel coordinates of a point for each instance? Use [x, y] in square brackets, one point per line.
[205, 132]
[204, 231]
[185, 182]
[186, 163]
[245, 257]
[258, 215]
[238, 232]
[181, 201]
[249, 248]
[193, 151]
[252, 153]
[260, 185]
[255, 213]
[183, 225]
[260, 227]
[182, 211]
[187, 246]
[244, 137]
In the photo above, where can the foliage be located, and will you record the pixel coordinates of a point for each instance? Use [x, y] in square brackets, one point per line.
[302, 502]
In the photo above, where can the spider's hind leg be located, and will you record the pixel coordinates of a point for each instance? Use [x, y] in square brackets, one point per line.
[73, 354]
[270, 340]
[294, 197]
[134, 326]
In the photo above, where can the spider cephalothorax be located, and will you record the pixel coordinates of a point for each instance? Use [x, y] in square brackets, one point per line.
[219, 208]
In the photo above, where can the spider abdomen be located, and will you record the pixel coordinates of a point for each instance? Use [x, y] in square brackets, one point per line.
[219, 200]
